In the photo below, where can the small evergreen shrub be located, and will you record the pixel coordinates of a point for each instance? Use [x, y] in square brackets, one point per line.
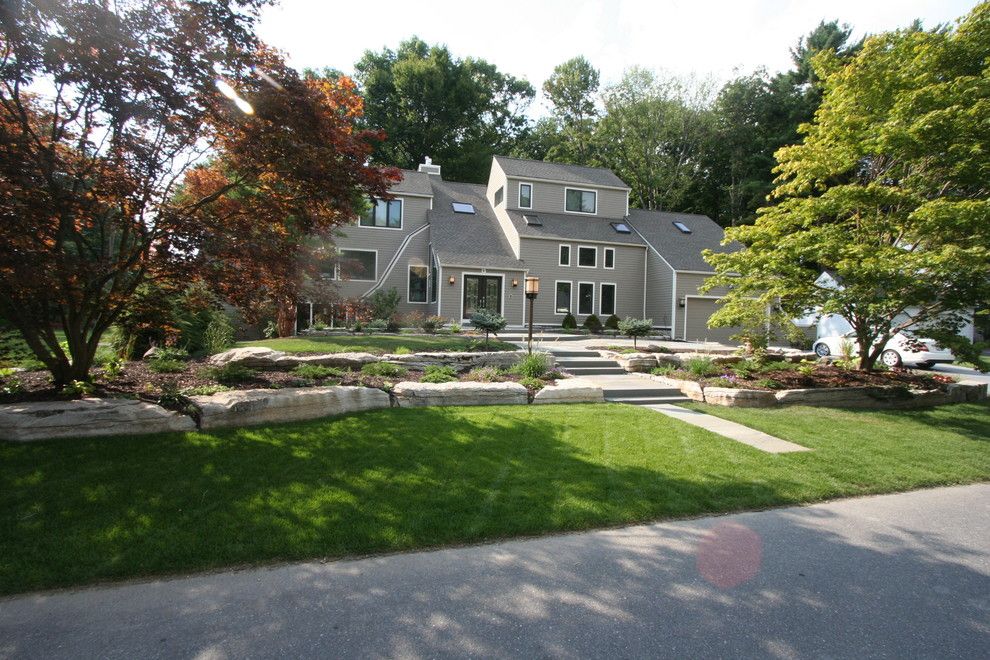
[489, 322]
[431, 324]
[231, 374]
[383, 370]
[612, 322]
[532, 366]
[636, 328]
[437, 373]
[167, 366]
[317, 371]
[593, 324]
[569, 322]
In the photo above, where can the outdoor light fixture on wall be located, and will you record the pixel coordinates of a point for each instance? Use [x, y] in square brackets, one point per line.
[515, 283]
[681, 302]
[451, 280]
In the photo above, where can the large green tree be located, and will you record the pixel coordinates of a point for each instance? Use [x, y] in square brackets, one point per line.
[457, 111]
[572, 90]
[888, 192]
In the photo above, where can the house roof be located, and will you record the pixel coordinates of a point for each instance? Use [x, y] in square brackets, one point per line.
[571, 228]
[413, 183]
[538, 169]
[682, 251]
[464, 239]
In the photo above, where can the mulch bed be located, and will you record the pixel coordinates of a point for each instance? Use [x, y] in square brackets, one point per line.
[788, 379]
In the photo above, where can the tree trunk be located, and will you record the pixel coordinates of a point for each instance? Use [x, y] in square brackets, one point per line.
[285, 318]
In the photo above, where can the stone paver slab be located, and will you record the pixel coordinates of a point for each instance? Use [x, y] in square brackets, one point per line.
[732, 430]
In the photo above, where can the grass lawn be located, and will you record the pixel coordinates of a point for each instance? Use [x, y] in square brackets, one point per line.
[79, 511]
[376, 343]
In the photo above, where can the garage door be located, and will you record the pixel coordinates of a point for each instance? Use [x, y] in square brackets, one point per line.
[696, 314]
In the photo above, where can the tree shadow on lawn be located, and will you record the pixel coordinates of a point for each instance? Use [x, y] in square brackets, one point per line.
[83, 510]
[959, 418]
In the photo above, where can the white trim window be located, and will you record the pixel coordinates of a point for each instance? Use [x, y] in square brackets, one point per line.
[607, 296]
[586, 298]
[384, 215]
[526, 195]
[562, 301]
[608, 260]
[358, 265]
[417, 284]
[587, 256]
[579, 200]
[564, 255]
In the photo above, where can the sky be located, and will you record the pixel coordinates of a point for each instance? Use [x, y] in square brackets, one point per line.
[528, 39]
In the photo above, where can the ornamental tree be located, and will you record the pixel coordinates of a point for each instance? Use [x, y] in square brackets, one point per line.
[888, 192]
[104, 109]
[635, 328]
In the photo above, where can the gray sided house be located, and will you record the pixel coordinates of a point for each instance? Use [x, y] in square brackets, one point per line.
[450, 248]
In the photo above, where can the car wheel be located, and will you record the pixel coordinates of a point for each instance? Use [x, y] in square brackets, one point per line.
[890, 358]
[821, 350]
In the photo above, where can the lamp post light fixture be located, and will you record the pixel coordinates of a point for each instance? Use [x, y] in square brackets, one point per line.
[532, 290]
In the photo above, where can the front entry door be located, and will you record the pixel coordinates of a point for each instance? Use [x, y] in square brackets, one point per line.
[482, 292]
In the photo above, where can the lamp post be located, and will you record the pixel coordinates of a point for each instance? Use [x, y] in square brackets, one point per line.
[532, 290]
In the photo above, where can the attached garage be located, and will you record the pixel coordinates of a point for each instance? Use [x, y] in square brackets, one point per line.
[697, 310]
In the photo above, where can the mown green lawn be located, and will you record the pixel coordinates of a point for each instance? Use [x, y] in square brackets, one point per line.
[79, 511]
[377, 344]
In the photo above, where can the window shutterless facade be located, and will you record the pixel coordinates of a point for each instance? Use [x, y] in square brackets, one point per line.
[577, 200]
[562, 298]
[358, 265]
[586, 298]
[587, 256]
[607, 302]
[609, 258]
[565, 256]
[387, 214]
[418, 279]
[525, 195]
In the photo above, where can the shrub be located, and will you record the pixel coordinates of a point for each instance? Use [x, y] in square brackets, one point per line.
[402, 350]
[230, 374]
[436, 373]
[553, 374]
[593, 324]
[384, 303]
[488, 321]
[431, 324]
[569, 322]
[532, 366]
[11, 385]
[219, 333]
[806, 368]
[383, 370]
[769, 383]
[486, 375]
[378, 325]
[701, 367]
[664, 370]
[167, 366]
[112, 368]
[169, 353]
[77, 388]
[204, 390]
[317, 371]
[455, 328]
[532, 383]
[612, 322]
[636, 328]
[270, 331]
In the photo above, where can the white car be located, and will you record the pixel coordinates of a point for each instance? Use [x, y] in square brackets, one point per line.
[902, 350]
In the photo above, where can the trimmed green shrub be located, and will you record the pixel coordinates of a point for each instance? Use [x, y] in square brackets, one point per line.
[593, 324]
[230, 374]
[532, 366]
[636, 328]
[384, 370]
[488, 321]
[318, 371]
[436, 373]
[569, 322]
[612, 322]
[167, 366]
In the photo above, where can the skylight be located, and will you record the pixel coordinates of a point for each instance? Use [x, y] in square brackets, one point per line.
[683, 227]
[533, 220]
[461, 207]
[621, 228]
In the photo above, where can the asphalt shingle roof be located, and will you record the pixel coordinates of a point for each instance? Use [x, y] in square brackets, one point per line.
[413, 183]
[463, 239]
[682, 251]
[538, 169]
[571, 228]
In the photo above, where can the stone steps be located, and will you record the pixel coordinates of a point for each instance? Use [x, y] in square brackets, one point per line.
[643, 396]
[595, 371]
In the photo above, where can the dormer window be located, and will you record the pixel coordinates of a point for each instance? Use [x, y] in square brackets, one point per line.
[525, 195]
[580, 201]
[387, 214]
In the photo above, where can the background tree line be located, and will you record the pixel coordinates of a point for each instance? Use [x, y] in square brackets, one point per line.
[680, 143]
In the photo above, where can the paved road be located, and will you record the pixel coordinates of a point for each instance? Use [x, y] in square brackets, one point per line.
[965, 372]
[894, 576]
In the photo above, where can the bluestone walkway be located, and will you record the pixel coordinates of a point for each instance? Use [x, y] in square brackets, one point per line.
[897, 576]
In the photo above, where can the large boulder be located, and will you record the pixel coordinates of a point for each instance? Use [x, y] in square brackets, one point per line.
[244, 407]
[460, 361]
[739, 398]
[967, 391]
[254, 357]
[570, 390]
[84, 418]
[410, 394]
